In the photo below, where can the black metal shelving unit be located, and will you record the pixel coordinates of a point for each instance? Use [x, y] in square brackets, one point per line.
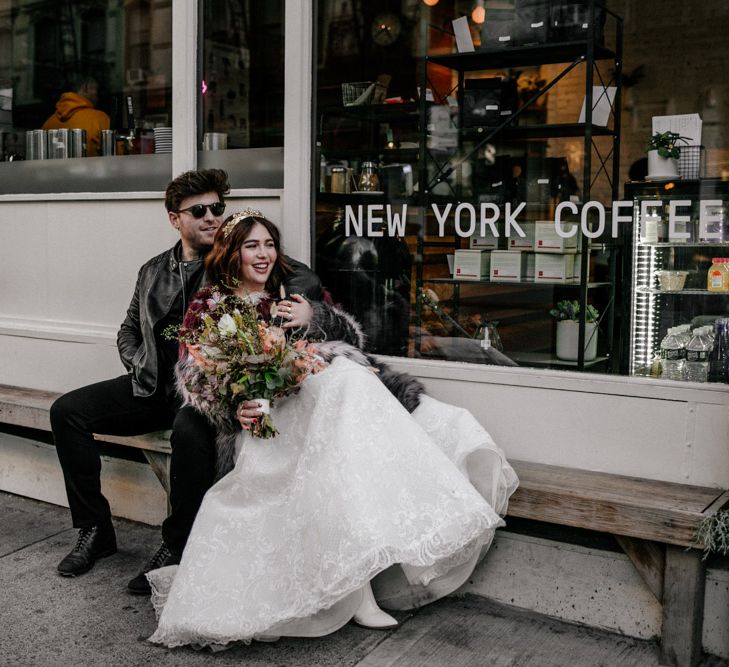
[572, 55]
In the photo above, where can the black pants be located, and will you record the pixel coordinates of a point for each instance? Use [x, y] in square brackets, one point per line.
[111, 407]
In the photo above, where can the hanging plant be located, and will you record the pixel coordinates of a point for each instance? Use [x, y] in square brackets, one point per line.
[713, 534]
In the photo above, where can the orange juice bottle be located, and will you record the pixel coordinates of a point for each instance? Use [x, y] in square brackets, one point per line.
[718, 278]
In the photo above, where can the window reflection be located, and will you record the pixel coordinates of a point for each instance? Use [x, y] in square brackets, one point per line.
[48, 49]
[242, 74]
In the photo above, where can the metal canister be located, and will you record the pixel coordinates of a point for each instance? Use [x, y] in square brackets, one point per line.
[58, 143]
[77, 143]
[36, 147]
[215, 141]
[108, 142]
[339, 180]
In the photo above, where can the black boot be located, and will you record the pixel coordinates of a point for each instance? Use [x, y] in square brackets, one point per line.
[139, 585]
[93, 543]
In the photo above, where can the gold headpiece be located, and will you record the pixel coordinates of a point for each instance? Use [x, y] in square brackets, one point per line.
[237, 217]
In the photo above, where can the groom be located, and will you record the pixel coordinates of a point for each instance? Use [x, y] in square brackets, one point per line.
[145, 398]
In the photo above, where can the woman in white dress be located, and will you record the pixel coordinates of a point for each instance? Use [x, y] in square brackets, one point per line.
[358, 486]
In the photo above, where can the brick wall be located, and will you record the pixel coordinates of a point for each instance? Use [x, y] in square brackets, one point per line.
[685, 56]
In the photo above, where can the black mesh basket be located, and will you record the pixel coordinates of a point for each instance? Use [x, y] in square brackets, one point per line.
[691, 162]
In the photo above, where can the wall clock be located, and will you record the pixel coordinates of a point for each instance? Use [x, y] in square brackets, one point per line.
[385, 28]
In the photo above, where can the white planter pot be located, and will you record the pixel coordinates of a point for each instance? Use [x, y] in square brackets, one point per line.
[567, 340]
[660, 168]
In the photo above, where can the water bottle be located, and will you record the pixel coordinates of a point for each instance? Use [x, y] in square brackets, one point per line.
[673, 354]
[719, 356]
[683, 331]
[697, 356]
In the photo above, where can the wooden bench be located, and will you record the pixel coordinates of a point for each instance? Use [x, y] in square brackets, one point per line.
[654, 522]
[30, 408]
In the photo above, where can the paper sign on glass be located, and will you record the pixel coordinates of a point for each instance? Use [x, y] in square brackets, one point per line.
[602, 100]
[464, 43]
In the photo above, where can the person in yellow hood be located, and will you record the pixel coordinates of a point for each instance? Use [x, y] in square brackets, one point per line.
[76, 110]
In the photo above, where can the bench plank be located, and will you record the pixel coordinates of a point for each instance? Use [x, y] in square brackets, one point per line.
[648, 509]
[26, 407]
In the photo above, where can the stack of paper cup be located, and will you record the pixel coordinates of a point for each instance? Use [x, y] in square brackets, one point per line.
[162, 139]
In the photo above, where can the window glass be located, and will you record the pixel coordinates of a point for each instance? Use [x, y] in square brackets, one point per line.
[242, 89]
[531, 110]
[78, 70]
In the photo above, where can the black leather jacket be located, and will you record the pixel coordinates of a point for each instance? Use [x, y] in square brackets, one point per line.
[159, 283]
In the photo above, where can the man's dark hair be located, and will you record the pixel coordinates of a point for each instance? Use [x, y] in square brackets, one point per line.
[196, 183]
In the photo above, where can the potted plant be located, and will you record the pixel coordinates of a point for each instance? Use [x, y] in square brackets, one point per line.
[663, 153]
[567, 314]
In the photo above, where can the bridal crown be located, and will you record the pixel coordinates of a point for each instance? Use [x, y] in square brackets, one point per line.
[237, 217]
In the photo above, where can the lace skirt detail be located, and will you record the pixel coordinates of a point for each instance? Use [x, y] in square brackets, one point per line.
[352, 487]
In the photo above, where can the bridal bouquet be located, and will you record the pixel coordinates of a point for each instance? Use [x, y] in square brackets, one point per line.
[240, 354]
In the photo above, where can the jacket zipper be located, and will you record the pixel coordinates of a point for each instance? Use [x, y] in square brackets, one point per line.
[184, 294]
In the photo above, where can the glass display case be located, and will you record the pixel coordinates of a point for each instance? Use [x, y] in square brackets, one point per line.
[678, 228]
[452, 135]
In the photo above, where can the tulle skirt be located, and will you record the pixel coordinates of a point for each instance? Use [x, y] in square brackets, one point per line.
[353, 488]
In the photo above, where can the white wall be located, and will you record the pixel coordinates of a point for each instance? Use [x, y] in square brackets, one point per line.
[677, 432]
[67, 272]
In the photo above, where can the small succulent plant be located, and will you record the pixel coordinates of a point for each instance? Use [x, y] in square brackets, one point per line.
[570, 310]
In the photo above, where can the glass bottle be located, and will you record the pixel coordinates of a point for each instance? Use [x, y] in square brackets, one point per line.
[369, 181]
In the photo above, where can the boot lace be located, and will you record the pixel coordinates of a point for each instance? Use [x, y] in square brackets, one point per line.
[85, 536]
[159, 559]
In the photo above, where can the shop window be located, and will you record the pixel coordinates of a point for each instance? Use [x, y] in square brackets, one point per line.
[112, 55]
[242, 89]
[401, 179]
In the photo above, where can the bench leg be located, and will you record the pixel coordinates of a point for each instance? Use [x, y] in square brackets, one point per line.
[683, 607]
[160, 464]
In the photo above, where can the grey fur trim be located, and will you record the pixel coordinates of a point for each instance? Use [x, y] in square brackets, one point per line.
[403, 386]
[331, 323]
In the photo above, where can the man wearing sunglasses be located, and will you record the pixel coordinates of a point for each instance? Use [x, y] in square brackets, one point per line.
[145, 399]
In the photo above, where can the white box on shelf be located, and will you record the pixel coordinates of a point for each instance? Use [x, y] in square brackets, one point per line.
[488, 242]
[547, 239]
[576, 273]
[511, 267]
[526, 242]
[471, 264]
[554, 268]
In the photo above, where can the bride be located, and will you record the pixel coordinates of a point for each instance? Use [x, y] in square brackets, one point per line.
[369, 483]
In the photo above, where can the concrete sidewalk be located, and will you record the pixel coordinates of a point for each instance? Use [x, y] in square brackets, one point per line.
[48, 620]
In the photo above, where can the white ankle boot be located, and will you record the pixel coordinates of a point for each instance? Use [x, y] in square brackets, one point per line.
[369, 615]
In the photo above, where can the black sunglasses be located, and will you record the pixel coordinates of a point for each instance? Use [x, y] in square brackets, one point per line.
[198, 210]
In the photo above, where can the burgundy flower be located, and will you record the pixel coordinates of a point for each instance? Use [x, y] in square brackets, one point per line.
[264, 308]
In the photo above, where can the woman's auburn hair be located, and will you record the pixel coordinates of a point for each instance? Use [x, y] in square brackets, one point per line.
[223, 262]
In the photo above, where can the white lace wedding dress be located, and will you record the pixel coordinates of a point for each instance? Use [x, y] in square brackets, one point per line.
[352, 487]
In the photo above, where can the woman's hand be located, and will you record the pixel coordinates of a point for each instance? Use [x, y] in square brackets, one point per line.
[248, 413]
[296, 310]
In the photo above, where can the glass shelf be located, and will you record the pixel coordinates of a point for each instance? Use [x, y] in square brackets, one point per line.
[693, 292]
[526, 283]
[685, 244]
[541, 54]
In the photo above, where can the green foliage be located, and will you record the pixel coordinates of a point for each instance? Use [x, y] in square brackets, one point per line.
[570, 310]
[666, 143]
[713, 534]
